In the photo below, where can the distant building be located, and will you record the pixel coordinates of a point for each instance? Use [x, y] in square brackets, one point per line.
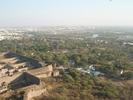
[91, 70]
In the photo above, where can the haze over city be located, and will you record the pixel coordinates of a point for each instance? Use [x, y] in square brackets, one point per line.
[65, 12]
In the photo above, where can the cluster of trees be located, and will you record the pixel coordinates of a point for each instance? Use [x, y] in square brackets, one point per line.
[78, 86]
[73, 52]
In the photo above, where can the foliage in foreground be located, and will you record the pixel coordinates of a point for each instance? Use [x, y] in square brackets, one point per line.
[77, 86]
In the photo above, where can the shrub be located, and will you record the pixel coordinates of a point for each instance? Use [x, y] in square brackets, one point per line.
[128, 75]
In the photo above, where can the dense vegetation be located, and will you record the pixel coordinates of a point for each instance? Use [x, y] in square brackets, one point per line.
[77, 86]
[76, 51]
[107, 53]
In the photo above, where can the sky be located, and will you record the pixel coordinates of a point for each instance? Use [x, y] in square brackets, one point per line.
[66, 12]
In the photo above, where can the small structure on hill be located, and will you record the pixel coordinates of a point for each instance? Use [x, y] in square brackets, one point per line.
[55, 73]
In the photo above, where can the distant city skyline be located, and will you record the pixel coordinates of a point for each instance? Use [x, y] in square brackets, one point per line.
[15, 13]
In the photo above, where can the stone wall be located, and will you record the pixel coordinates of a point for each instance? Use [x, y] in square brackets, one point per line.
[35, 91]
[43, 72]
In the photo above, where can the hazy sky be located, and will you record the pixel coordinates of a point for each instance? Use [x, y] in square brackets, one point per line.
[66, 12]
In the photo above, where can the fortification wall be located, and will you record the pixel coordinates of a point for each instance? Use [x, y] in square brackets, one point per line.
[43, 72]
[35, 92]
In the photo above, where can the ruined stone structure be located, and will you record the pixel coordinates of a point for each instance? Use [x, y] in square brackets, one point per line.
[10, 63]
[30, 77]
[35, 91]
[43, 72]
[18, 60]
[55, 73]
[17, 71]
[25, 79]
